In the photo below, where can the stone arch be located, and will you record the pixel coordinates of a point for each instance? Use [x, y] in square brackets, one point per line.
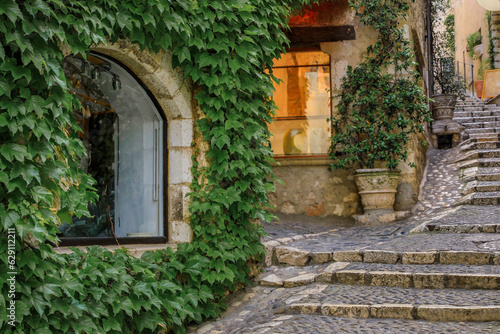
[174, 95]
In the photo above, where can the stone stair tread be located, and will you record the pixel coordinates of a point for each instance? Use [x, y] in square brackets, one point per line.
[376, 295]
[481, 198]
[480, 162]
[484, 153]
[426, 268]
[482, 186]
[341, 300]
[300, 323]
[494, 130]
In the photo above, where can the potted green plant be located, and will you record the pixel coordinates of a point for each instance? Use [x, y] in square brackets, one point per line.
[381, 106]
[474, 45]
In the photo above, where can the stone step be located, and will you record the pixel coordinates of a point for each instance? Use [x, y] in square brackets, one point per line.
[483, 130]
[419, 276]
[481, 198]
[480, 125]
[463, 120]
[482, 136]
[479, 154]
[474, 145]
[481, 186]
[481, 162]
[490, 138]
[298, 257]
[315, 324]
[400, 303]
[476, 113]
[480, 174]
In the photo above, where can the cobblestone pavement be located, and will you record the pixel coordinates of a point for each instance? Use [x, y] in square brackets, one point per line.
[436, 225]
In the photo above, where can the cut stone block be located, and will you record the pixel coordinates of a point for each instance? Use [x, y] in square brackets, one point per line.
[299, 280]
[377, 256]
[271, 280]
[389, 278]
[348, 256]
[464, 257]
[396, 311]
[292, 256]
[419, 258]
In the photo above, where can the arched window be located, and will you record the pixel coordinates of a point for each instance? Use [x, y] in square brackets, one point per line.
[123, 132]
[303, 101]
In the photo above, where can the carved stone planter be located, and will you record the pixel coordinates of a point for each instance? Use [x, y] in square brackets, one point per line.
[443, 106]
[377, 188]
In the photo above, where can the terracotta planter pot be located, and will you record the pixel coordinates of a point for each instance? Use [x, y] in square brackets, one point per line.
[377, 188]
[443, 106]
[478, 87]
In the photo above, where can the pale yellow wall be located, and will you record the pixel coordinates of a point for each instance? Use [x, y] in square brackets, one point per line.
[469, 18]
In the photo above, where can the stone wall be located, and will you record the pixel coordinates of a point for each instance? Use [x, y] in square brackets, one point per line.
[309, 188]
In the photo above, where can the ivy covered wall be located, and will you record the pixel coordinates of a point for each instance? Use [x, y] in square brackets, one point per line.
[225, 48]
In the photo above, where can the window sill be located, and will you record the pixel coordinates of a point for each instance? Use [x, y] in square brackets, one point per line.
[135, 250]
[297, 160]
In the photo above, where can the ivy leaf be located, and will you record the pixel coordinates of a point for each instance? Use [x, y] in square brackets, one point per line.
[10, 218]
[110, 323]
[12, 151]
[48, 290]
[11, 9]
[84, 323]
[41, 194]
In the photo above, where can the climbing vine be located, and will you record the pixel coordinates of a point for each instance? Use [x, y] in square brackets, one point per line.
[381, 103]
[226, 48]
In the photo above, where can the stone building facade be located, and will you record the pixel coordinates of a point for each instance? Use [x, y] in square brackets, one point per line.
[308, 187]
[169, 140]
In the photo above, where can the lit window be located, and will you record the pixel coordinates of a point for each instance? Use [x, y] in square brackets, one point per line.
[303, 101]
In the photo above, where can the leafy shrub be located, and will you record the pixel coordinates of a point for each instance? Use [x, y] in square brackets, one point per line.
[473, 40]
[381, 104]
[225, 48]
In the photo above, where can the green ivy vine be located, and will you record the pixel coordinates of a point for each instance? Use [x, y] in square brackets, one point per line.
[381, 104]
[225, 48]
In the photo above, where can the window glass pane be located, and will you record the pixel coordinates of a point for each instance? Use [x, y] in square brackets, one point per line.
[302, 58]
[124, 149]
[303, 101]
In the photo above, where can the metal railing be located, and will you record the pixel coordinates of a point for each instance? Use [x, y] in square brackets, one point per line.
[465, 66]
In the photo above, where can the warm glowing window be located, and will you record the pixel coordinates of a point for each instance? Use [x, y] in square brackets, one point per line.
[303, 100]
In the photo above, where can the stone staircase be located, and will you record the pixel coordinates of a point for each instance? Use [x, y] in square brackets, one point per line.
[479, 160]
[398, 280]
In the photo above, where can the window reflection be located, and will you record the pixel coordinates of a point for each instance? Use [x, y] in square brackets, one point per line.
[303, 101]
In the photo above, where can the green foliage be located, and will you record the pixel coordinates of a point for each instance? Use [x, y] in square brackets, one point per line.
[381, 104]
[449, 23]
[446, 80]
[225, 48]
[473, 40]
[491, 47]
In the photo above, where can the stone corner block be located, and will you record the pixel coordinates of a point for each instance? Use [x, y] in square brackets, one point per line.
[321, 257]
[272, 280]
[299, 280]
